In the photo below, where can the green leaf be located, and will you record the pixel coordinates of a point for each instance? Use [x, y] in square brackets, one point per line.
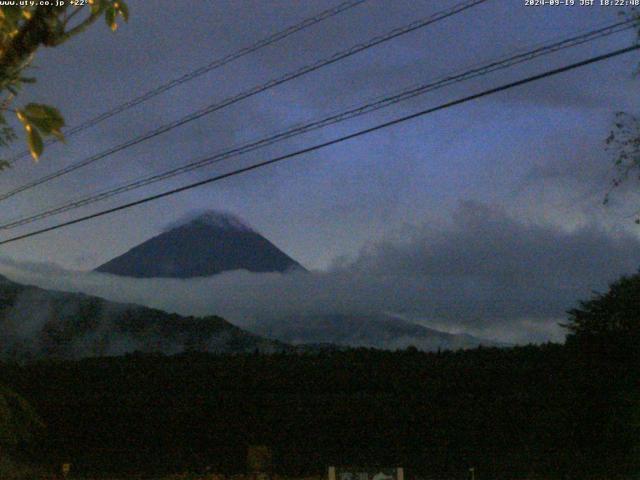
[40, 110]
[123, 9]
[47, 119]
[40, 119]
[110, 17]
[34, 140]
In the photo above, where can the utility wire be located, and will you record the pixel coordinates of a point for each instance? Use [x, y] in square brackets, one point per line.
[485, 93]
[251, 92]
[214, 65]
[380, 103]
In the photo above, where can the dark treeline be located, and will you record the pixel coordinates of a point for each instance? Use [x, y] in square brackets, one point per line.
[554, 411]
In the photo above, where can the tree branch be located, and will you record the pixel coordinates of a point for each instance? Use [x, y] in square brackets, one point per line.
[82, 26]
[70, 16]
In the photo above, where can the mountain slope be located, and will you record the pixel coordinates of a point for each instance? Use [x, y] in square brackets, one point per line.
[374, 331]
[36, 323]
[208, 244]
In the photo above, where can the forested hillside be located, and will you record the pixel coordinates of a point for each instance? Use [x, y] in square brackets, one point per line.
[37, 323]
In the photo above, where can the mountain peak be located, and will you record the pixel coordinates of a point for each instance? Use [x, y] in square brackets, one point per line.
[211, 218]
[201, 245]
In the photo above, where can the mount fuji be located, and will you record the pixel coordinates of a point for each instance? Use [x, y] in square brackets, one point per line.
[205, 245]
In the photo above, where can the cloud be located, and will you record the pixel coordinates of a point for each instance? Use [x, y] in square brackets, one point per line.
[485, 273]
[322, 204]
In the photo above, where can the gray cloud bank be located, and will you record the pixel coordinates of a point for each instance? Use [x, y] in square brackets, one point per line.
[485, 274]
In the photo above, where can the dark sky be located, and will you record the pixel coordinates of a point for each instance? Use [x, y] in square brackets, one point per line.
[532, 159]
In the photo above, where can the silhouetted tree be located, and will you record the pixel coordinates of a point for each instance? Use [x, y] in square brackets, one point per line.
[611, 318]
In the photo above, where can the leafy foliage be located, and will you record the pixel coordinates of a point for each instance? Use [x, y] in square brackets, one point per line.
[40, 120]
[624, 142]
[610, 317]
[624, 138]
[23, 30]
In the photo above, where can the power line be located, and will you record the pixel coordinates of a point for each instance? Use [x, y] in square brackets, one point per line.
[508, 86]
[214, 65]
[251, 92]
[383, 102]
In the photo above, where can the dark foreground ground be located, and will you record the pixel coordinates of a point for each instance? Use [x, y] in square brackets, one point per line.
[550, 411]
